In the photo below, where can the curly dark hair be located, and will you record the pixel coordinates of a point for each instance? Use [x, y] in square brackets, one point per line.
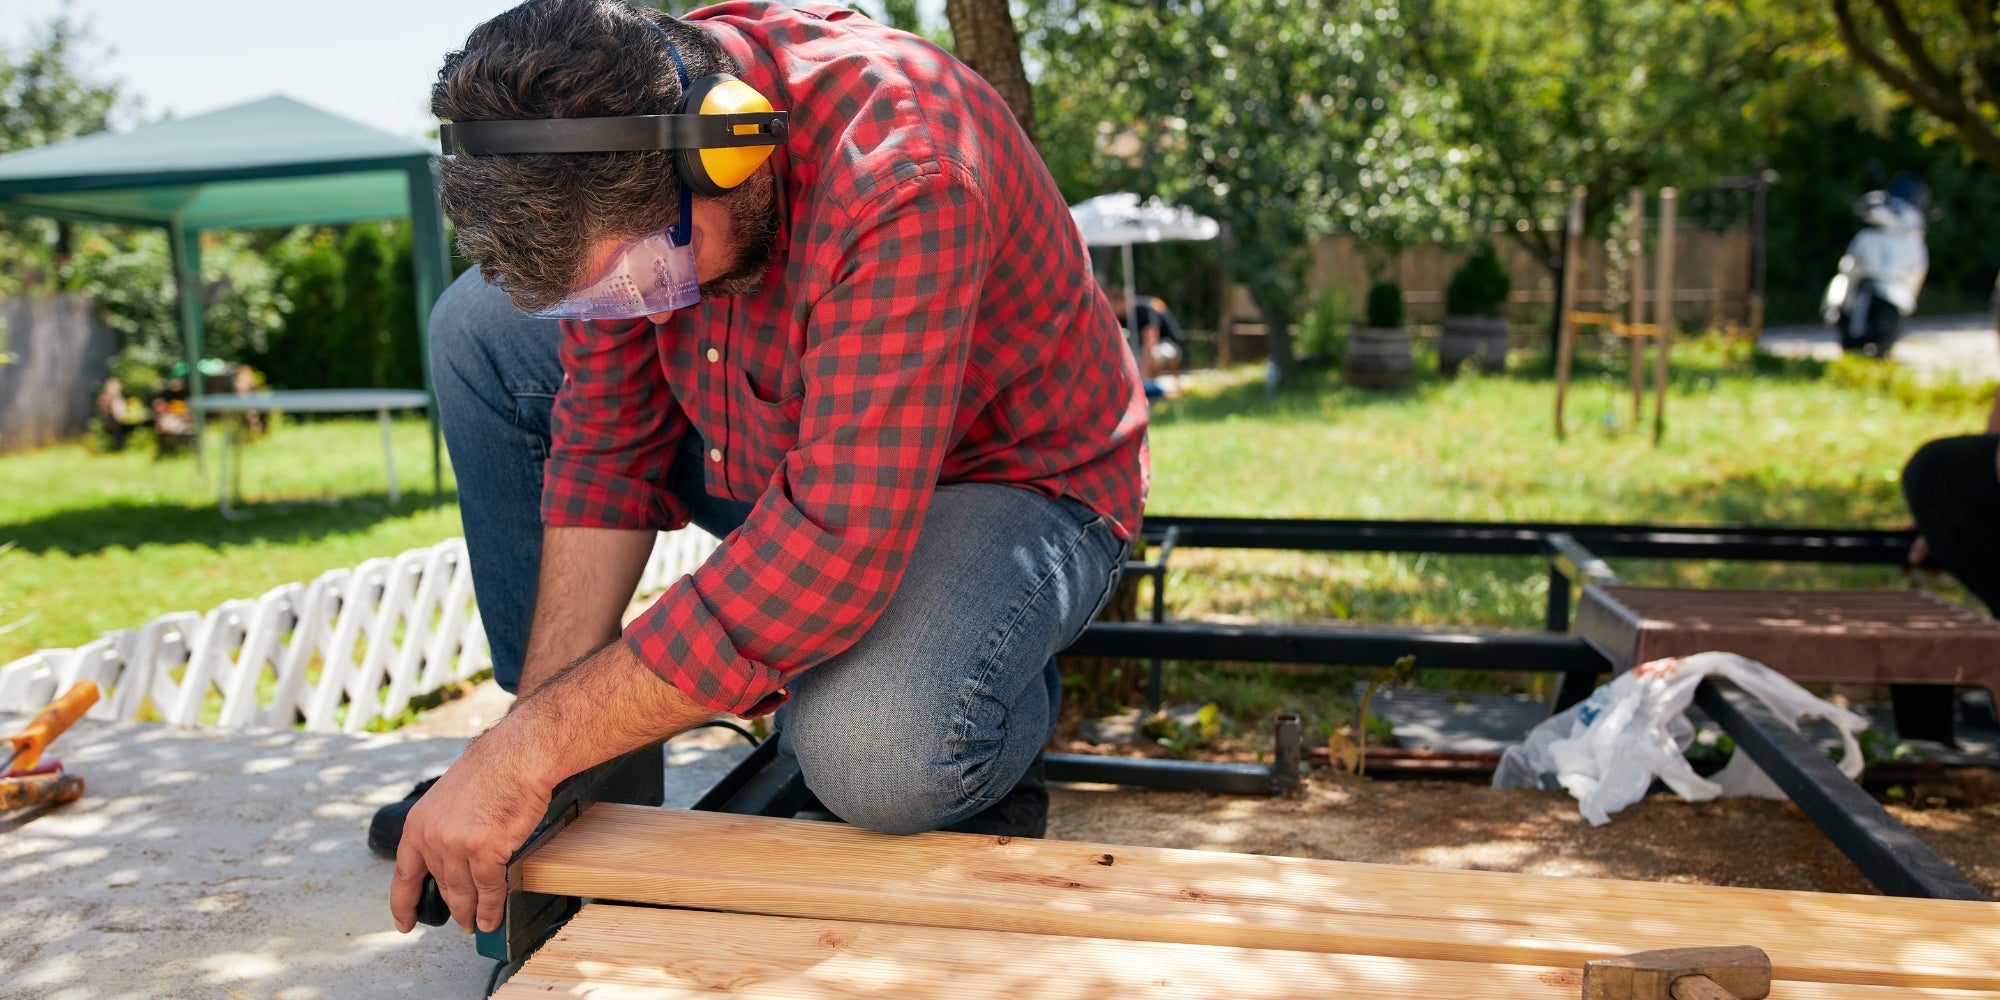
[530, 220]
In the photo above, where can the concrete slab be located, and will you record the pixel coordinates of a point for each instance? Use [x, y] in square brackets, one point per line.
[233, 866]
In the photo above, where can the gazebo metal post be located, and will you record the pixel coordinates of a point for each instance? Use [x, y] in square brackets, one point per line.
[185, 246]
[430, 261]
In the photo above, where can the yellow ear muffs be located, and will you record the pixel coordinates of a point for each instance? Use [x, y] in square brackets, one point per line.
[715, 170]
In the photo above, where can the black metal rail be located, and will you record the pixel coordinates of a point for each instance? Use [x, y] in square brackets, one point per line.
[1530, 538]
[1888, 854]
[1463, 649]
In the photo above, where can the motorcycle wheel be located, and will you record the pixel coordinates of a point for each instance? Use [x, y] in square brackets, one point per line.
[1845, 327]
[1883, 324]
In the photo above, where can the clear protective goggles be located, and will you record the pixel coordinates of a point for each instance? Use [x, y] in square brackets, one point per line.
[648, 275]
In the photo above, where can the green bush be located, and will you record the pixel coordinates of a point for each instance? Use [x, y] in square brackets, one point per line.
[1479, 286]
[349, 305]
[1325, 328]
[128, 273]
[1385, 305]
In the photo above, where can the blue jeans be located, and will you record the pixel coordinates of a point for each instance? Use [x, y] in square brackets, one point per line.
[932, 716]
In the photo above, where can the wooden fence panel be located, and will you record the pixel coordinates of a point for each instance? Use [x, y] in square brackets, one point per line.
[53, 352]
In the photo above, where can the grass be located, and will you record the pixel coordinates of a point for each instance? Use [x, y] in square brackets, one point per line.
[108, 541]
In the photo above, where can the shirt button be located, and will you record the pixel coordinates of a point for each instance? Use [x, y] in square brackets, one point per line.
[715, 454]
[714, 355]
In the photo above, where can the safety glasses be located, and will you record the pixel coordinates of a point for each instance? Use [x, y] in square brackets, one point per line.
[651, 274]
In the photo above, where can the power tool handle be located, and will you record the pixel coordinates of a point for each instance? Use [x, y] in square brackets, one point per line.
[431, 908]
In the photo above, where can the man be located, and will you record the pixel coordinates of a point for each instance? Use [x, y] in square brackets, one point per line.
[1952, 486]
[900, 400]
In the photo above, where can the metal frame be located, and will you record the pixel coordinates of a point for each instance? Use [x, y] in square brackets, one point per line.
[1887, 853]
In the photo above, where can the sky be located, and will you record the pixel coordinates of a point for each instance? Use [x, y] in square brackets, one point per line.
[369, 60]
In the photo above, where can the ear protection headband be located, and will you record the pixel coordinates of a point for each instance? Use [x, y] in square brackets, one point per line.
[721, 131]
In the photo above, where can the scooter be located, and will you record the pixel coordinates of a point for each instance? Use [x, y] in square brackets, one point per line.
[1883, 269]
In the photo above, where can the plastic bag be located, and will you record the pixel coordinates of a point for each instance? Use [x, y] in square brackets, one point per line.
[1607, 750]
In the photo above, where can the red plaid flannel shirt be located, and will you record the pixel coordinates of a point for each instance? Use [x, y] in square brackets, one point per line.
[930, 318]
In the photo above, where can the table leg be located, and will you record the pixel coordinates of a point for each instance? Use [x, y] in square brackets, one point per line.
[389, 457]
[231, 441]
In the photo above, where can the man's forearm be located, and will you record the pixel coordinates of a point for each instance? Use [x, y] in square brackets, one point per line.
[587, 579]
[600, 707]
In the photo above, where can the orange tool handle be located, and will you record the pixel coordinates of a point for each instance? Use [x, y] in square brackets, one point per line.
[30, 742]
[37, 789]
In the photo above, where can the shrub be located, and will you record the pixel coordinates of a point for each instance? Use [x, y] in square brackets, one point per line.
[1385, 305]
[1325, 327]
[1479, 286]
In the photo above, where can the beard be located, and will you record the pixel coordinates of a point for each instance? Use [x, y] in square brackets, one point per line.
[753, 219]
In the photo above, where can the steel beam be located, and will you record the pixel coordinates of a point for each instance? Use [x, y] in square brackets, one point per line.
[1229, 779]
[1887, 853]
[763, 784]
[1529, 538]
[1466, 650]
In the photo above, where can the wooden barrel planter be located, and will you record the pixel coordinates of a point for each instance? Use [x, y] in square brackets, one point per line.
[1481, 340]
[1377, 357]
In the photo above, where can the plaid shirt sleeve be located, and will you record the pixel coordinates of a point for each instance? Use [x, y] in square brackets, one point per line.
[613, 432]
[825, 546]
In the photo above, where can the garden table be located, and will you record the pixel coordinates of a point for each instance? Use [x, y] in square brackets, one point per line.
[381, 401]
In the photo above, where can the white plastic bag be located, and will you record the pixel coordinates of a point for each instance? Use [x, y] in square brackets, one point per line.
[1607, 750]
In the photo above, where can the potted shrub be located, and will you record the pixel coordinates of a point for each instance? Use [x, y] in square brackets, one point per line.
[1378, 355]
[1473, 327]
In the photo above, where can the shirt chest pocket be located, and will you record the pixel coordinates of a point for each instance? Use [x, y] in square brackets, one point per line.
[764, 432]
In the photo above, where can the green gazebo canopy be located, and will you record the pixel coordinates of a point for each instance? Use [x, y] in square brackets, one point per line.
[272, 162]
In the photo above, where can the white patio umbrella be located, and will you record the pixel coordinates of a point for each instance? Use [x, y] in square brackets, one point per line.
[1122, 220]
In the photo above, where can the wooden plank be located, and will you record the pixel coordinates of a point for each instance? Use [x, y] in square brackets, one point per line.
[1566, 326]
[1855, 636]
[822, 870]
[614, 952]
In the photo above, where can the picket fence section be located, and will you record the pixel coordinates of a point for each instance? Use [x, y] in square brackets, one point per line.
[333, 655]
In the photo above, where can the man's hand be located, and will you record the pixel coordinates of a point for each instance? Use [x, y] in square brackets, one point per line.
[1920, 553]
[465, 829]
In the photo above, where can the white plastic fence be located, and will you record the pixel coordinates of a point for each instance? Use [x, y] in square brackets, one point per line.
[334, 655]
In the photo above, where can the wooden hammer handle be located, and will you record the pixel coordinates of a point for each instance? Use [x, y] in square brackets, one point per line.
[1698, 988]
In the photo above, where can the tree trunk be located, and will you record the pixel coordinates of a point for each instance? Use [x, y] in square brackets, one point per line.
[983, 32]
[1278, 338]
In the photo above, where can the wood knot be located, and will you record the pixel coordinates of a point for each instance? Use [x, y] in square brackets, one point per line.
[1105, 859]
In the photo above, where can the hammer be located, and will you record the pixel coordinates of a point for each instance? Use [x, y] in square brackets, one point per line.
[1681, 974]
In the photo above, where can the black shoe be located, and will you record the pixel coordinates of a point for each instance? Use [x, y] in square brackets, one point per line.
[385, 831]
[1023, 812]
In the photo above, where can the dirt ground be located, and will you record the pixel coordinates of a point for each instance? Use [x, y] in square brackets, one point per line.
[1740, 842]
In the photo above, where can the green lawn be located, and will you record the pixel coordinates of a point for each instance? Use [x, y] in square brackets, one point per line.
[109, 541]
[105, 541]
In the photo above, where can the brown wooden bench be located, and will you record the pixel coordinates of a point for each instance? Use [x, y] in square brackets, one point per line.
[1837, 636]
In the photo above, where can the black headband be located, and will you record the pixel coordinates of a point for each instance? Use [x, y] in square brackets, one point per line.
[613, 135]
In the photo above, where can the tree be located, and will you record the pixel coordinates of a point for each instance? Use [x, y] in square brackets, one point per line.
[1942, 57]
[45, 97]
[984, 39]
[1607, 94]
[1258, 113]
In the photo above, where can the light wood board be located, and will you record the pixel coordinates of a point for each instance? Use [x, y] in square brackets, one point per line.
[821, 870]
[611, 952]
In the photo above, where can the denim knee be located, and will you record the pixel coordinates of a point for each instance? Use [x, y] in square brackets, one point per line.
[885, 789]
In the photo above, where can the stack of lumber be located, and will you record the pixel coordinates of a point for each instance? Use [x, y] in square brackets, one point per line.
[802, 910]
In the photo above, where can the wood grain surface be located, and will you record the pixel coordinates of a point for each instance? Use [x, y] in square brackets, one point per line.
[612, 952]
[751, 864]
